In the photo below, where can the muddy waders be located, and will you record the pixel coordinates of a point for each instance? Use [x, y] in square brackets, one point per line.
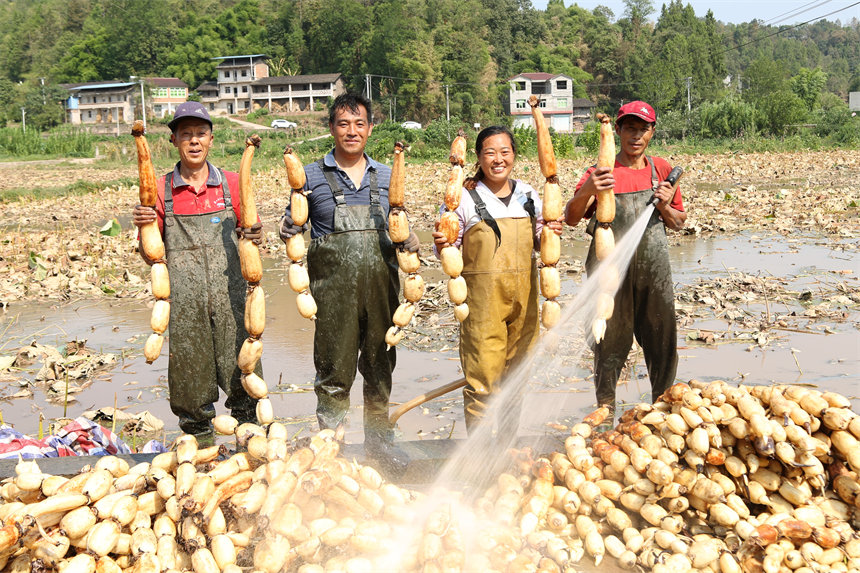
[353, 273]
[207, 328]
[503, 314]
[644, 303]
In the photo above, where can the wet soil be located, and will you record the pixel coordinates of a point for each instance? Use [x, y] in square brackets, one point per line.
[766, 280]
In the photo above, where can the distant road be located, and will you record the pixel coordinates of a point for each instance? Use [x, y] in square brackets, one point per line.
[249, 125]
[246, 124]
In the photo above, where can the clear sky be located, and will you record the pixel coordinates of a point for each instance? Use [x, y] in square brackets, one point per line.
[774, 12]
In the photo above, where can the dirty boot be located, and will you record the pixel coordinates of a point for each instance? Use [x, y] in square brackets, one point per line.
[609, 423]
[392, 460]
[205, 439]
[245, 416]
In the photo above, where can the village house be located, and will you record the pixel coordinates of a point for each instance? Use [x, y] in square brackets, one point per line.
[243, 85]
[119, 102]
[564, 113]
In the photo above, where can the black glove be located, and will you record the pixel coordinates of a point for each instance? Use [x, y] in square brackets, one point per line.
[254, 233]
[288, 228]
[411, 244]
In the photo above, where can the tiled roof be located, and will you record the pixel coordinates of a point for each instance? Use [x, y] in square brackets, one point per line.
[309, 79]
[166, 82]
[535, 76]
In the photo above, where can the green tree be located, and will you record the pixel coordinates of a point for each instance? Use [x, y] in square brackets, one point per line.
[7, 99]
[45, 105]
[781, 110]
[337, 34]
[764, 77]
[807, 85]
[729, 117]
[634, 50]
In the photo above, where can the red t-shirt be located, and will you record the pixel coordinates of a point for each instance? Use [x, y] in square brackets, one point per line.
[207, 199]
[629, 180]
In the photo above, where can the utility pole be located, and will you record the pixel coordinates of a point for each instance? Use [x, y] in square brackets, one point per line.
[369, 95]
[24, 119]
[142, 101]
[43, 90]
[142, 104]
[689, 79]
[447, 105]
[448, 112]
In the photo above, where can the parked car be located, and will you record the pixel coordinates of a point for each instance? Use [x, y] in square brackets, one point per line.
[410, 125]
[283, 124]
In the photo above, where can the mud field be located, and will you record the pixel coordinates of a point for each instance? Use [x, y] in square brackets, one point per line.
[766, 275]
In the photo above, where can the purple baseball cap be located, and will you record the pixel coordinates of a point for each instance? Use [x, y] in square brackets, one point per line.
[189, 109]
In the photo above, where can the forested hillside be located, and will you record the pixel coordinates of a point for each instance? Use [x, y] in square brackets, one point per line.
[414, 48]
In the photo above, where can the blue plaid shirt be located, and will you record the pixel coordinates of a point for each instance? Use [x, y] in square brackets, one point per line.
[321, 201]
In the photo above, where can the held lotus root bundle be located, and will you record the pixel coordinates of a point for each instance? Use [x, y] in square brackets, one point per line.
[298, 271]
[153, 247]
[604, 239]
[449, 225]
[409, 263]
[255, 301]
[712, 478]
[550, 242]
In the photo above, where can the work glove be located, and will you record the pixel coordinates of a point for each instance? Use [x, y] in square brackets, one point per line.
[254, 233]
[289, 229]
[411, 244]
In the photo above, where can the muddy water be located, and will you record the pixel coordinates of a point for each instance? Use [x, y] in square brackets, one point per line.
[829, 361]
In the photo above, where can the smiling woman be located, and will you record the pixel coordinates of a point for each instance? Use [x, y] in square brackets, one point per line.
[500, 222]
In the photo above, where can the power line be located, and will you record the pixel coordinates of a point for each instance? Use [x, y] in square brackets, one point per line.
[650, 84]
[790, 13]
[753, 41]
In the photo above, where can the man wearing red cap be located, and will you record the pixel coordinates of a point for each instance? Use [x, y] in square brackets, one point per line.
[197, 210]
[644, 302]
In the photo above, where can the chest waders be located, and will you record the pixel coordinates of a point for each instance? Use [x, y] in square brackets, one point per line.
[207, 326]
[503, 312]
[644, 303]
[353, 273]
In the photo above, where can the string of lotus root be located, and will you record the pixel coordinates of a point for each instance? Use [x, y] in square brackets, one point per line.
[255, 302]
[449, 225]
[297, 275]
[604, 239]
[550, 242]
[398, 230]
[153, 247]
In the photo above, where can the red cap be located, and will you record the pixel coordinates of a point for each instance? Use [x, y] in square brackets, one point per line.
[638, 108]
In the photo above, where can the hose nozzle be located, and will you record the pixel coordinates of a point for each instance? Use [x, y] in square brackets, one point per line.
[673, 178]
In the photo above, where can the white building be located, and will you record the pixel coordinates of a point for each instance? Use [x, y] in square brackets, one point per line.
[564, 113]
[243, 85]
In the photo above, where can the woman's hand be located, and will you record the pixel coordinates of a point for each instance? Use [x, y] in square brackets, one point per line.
[439, 238]
[556, 226]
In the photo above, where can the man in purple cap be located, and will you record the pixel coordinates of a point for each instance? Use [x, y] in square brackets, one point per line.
[197, 210]
[644, 302]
